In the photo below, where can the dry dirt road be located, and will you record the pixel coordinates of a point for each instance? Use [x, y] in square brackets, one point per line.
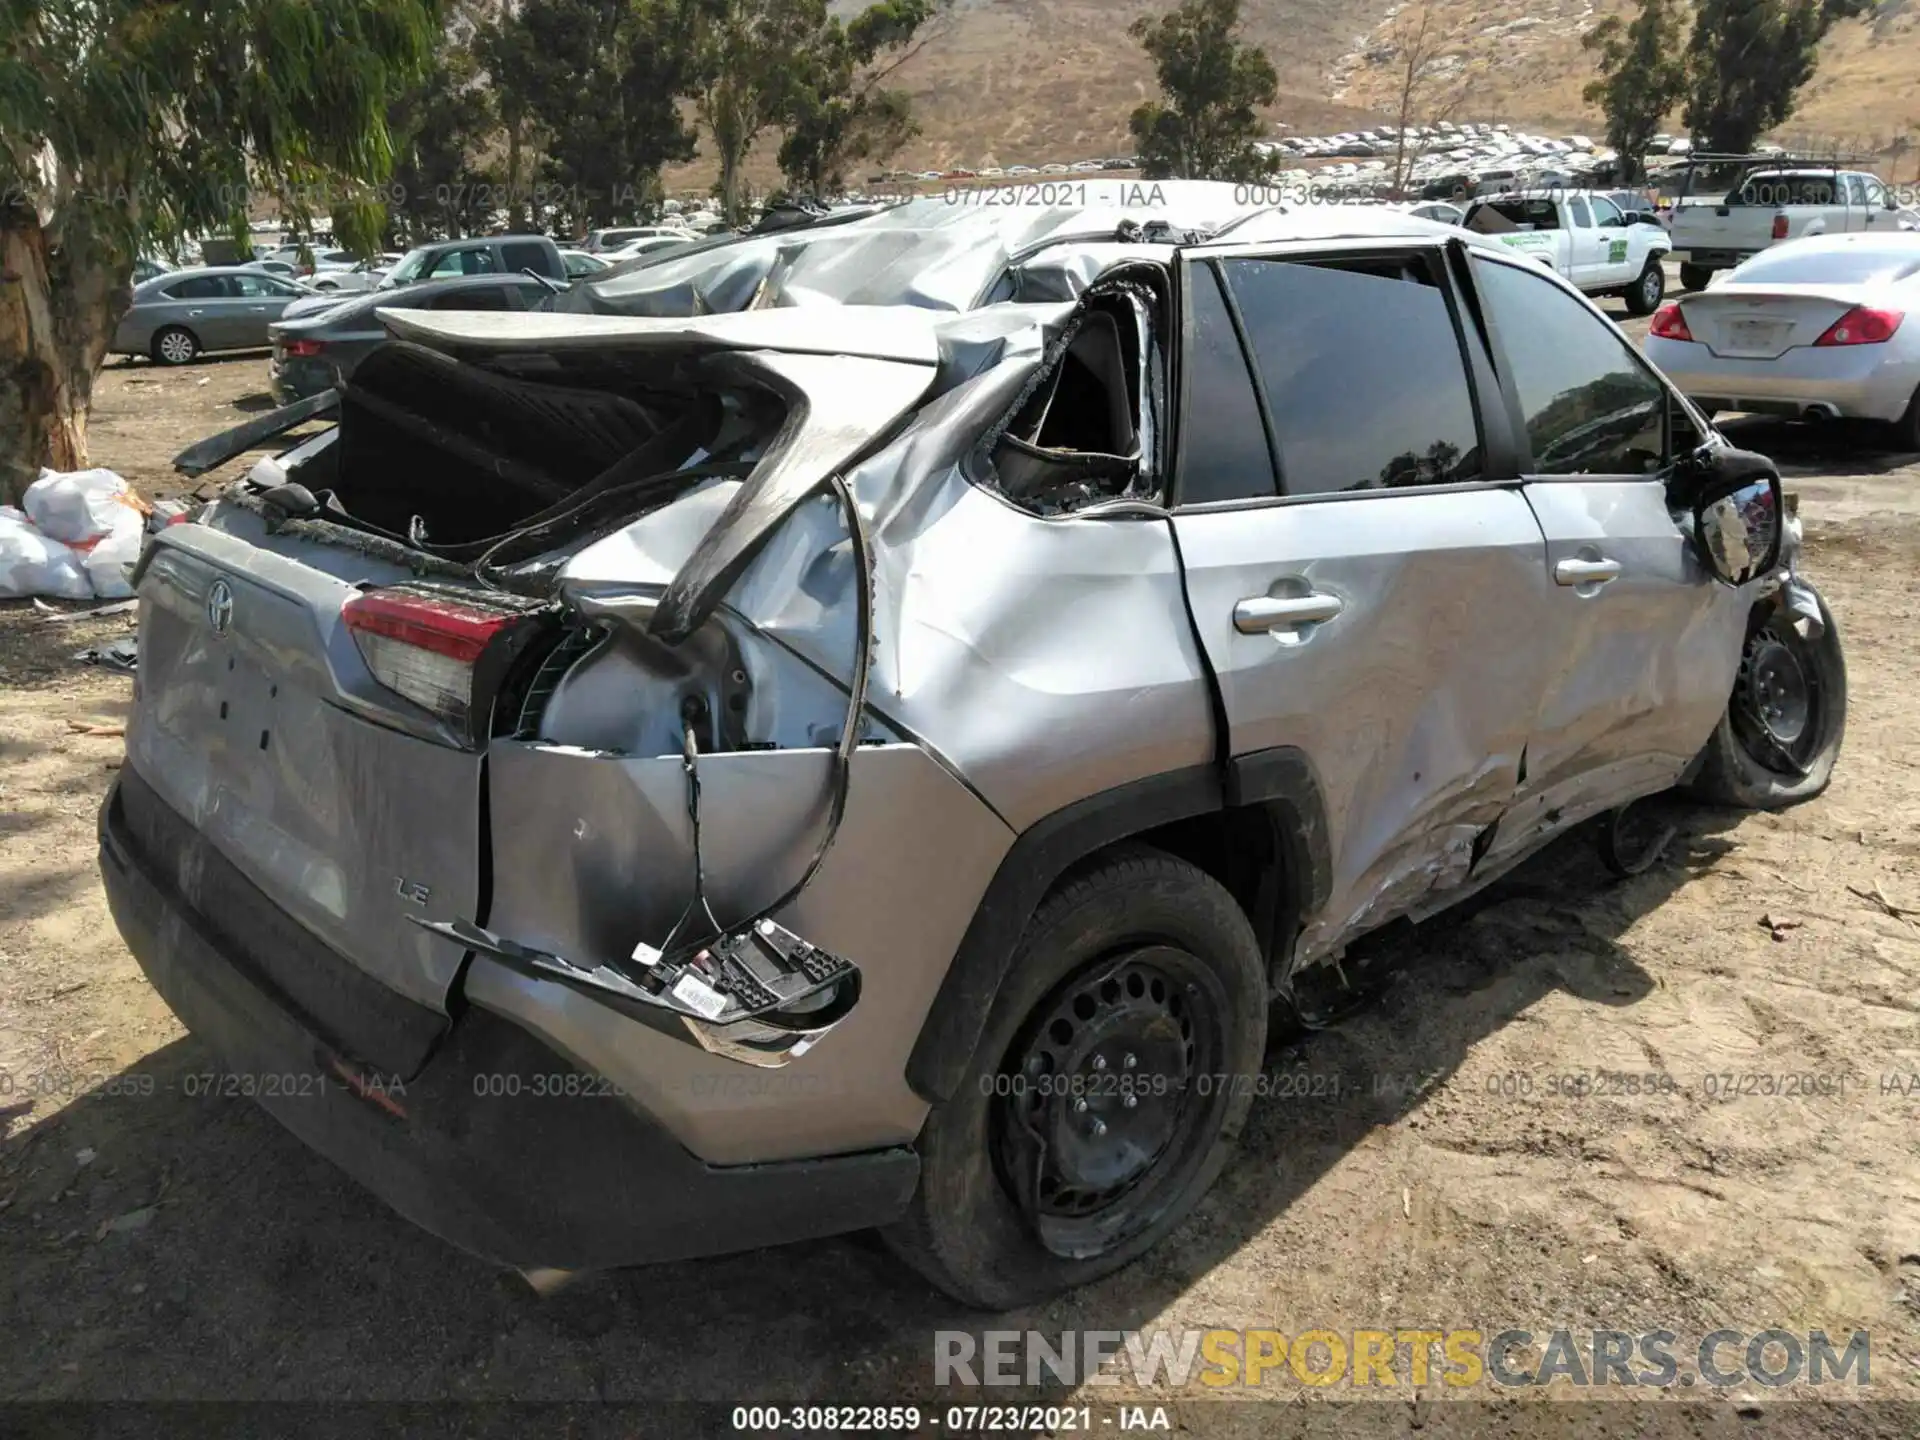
[154, 1246]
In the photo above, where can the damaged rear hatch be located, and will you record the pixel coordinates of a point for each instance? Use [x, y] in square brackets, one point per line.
[325, 659]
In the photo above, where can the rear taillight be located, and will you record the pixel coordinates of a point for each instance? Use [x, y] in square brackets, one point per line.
[1863, 325]
[301, 349]
[1779, 227]
[443, 651]
[1669, 324]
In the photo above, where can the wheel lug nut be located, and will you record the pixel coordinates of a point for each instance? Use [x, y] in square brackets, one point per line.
[1130, 1062]
[1099, 1062]
[1131, 1101]
[1099, 1127]
[1079, 1107]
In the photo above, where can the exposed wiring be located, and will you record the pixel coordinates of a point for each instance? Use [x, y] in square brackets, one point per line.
[842, 756]
[690, 763]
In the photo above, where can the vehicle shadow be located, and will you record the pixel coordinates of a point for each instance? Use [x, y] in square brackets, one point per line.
[1835, 448]
[165, 1242]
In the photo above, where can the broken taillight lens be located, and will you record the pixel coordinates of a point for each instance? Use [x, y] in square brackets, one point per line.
[1863, 325]
[1669, 324]
[430, 646]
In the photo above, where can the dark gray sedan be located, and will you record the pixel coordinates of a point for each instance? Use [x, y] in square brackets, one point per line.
[317, 346]
[185, 313]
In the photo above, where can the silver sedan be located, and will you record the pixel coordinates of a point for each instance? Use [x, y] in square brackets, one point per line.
[185, 313]
[1814, 329]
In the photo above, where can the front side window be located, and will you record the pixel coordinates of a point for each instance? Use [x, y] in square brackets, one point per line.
[1577, 212]
[1590, 406]
[1362, 371]
[526, 256]
[1605, 212]
[1856, 190]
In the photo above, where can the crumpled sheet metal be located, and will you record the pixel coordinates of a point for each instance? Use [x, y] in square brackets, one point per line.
[935, 253]
[972, 653]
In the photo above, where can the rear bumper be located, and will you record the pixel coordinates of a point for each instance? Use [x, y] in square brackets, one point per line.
[1712, 257]
[1854, 380]
[296, 379]
[497, 1144]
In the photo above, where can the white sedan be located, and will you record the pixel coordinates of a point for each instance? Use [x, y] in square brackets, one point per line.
[1813, 329]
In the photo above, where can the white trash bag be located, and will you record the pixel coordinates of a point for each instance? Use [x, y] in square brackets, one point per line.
[107, 561]
[34, 564]
[76, 506]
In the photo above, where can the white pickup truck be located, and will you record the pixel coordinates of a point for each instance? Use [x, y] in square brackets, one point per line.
[1772, 205]
[1583, 235]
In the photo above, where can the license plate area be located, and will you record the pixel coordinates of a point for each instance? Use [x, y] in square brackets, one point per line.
[1756, 337]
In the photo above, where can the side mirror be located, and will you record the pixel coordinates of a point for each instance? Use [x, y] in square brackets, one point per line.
[1738, 512]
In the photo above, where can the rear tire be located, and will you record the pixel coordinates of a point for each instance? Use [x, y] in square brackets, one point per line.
[1645, 294]
[174, 345]
[1746, 762]
[1694, 277]
[1906, 430]
[1033, 1177]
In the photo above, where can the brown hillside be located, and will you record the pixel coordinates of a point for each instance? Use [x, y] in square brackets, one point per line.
[1528, 68]
[1012, 82]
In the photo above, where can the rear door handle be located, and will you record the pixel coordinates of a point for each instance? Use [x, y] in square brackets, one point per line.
[1260, 613]
[1585, 572]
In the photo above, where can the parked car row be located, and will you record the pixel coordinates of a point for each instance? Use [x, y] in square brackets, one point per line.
[179, 315]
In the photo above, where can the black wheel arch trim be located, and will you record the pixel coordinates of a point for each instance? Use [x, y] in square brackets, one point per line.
[1280, 779]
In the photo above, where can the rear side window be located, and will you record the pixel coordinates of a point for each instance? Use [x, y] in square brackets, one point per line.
[1786, 190]
[1499, 217]
[461, 262]
[1223, 445]
[199, 287]
[1589, 405]
[528, 256]
[1855, 265]
[1361, 367]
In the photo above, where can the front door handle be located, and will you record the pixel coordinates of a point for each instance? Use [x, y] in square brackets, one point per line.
[1260, 613]
[1585, 572]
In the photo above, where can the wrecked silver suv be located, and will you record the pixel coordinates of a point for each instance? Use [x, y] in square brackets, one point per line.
[861, 726]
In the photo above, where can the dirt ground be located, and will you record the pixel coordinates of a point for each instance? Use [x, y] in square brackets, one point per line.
[154, 1246]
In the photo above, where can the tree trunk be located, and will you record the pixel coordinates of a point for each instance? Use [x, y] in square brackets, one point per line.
[58, 307]
[516, 190]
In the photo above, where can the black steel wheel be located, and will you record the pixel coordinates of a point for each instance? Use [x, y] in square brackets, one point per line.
[1106, 1089]
[1108, 1097]
[1784, 724]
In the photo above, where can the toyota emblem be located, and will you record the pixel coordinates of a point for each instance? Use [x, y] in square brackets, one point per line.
[219, 606]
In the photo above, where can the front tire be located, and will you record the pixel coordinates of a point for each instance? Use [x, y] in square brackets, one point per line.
[1777, 741]
[1100, 1102]
[1694, 277]
[1645, 294]
[175, 345]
